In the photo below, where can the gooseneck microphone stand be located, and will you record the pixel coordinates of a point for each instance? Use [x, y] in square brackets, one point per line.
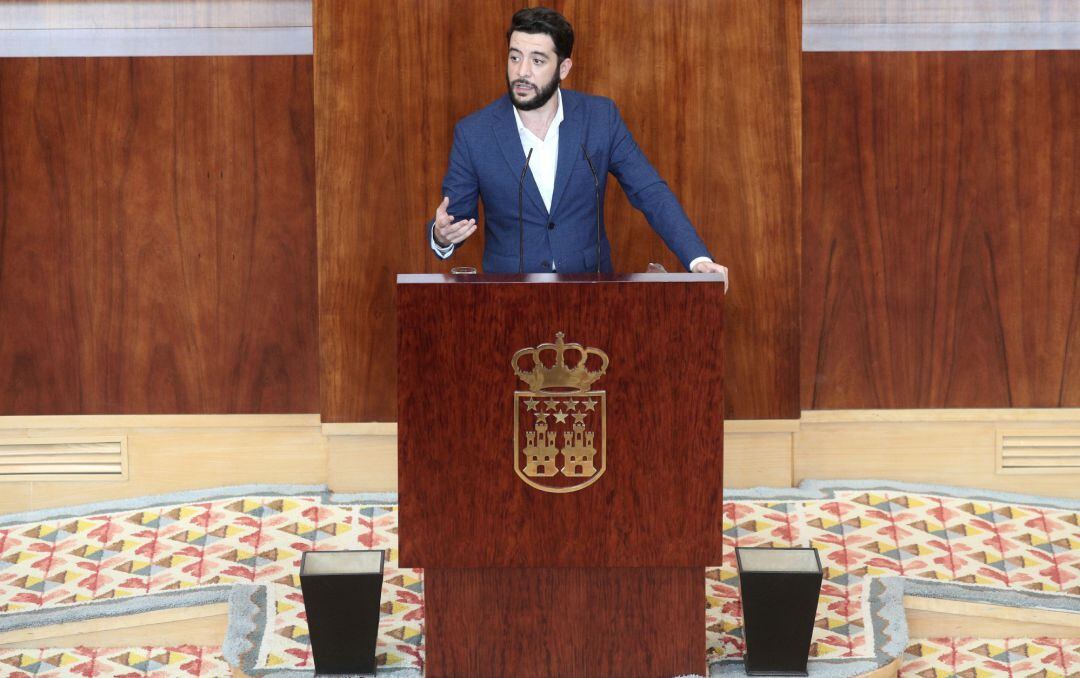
[596, 192]
[521, 223]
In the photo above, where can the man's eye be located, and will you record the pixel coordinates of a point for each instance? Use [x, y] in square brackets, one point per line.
[538, 62]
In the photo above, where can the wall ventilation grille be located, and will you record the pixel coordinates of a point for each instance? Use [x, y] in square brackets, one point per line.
[1039, 451]
[23, 459]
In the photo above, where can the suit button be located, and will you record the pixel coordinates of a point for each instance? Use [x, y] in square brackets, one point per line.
[545, 264]
[551, 226]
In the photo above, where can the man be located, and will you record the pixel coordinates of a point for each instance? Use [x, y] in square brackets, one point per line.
[541, 139]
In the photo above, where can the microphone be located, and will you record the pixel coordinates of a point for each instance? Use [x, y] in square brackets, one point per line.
[596, 191]
[521, 224]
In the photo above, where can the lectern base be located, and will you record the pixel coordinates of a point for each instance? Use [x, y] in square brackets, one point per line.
[564, 622]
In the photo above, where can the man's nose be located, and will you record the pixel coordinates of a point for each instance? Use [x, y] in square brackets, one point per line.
[524, 69]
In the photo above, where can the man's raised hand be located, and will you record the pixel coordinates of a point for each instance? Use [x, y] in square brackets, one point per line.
[448, 231]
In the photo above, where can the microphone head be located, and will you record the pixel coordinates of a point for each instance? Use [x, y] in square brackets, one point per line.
[525, 169]
[592, 169]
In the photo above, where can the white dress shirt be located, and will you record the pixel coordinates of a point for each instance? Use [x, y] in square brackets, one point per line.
[542, 166]
[545, 152]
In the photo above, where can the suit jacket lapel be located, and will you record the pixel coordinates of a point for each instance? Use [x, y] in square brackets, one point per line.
[506, 135]
[569, 146]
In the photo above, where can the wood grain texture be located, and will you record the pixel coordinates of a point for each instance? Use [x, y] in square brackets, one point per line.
[155, 42]
[380, 162]
[923, 624]
[69, 14]
[157, 245]
[941, 230]
[933, 449]
[201, 625]
[953, 11]
[714, 105]
[664, 395]
[957, 25]
[944, 37]
[564, 622]
[162, 457]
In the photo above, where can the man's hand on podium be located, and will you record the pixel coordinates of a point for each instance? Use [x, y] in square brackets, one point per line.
[712, 267]
[447, 231]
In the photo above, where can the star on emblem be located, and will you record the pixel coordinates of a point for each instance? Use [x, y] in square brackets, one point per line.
[551, 404]
[579, 416]
[589, 404]
[560, 417]
[531, 404]
[571, 405]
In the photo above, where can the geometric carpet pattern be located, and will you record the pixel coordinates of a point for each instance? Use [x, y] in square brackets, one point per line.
[928, 658]
[114, 663]
[76, 561]
[61, 565]
[863, 534]
[975, 658]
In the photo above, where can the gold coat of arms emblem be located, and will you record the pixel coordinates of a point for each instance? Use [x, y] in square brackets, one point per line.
[559, 423]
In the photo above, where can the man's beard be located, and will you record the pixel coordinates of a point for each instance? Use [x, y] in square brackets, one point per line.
[542, 97]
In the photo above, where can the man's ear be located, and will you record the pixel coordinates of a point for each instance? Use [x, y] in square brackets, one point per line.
[564, 68]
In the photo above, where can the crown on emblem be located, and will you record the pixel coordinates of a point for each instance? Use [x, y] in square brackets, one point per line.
[559, 375]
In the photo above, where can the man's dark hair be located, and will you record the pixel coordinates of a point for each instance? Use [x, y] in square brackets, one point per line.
[548, 21]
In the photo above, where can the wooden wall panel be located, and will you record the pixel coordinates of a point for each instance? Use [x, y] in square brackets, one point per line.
[80, 14]
[952, 11]
[715, 105]
[718, 115]
[121, 28]
[157, 243]
[956, 25]
[391, 79]
[941, 230]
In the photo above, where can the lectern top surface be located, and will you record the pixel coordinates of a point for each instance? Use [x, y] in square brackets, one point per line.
[547, 278]
[342, 562]
[778, 560]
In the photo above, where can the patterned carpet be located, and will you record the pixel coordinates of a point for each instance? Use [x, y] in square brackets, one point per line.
[185, 660]
[928, 658]
[974, 658]
[243, 546]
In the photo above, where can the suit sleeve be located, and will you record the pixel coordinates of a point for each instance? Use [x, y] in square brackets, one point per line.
[650, 194]
[461, 185]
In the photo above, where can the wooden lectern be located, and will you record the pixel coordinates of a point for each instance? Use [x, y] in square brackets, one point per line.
[560, 469]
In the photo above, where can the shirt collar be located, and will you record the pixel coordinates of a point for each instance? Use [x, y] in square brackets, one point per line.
[554, 121]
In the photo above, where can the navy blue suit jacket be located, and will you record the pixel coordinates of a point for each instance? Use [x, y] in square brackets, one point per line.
[486, 163]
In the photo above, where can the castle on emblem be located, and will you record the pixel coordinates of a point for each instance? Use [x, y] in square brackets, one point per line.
[540, 450]
[579, 451]
[559, 425]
